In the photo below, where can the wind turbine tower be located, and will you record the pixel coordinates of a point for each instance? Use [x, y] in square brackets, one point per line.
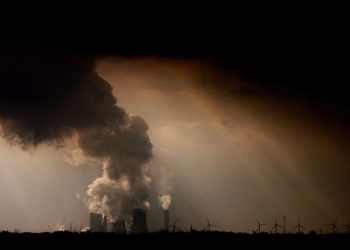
[276, 226]
[299, 226]
[347, 227]
[173, 226]
[209, 225]
[333, 226]
[259, 226]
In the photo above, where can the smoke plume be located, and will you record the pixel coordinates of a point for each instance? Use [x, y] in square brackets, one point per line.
[165, 201]
[46, 97]
[124, 184]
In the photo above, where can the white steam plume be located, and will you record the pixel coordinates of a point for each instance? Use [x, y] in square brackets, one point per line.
[165, 201]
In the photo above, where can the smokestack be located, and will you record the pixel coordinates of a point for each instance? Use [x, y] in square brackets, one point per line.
[166, 219]
[139, 224]
[95, 222]
[118, 227]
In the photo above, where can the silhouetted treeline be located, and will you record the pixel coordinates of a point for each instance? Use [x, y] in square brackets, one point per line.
[164, 239]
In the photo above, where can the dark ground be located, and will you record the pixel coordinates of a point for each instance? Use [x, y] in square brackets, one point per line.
[178, 240]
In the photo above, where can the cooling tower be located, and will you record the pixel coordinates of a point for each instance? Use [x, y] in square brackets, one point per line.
[104, 224]
[139, 224]
[166, 219]
[118, 227]
[95, 222]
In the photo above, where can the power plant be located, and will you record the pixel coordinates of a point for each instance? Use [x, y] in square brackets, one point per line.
[104, 224]
[98, 223]
[139, 223]
[95, 222]
[118, 227]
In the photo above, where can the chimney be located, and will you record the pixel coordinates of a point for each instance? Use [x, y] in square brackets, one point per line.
[118, 227]
[139, 224]
[166, 220]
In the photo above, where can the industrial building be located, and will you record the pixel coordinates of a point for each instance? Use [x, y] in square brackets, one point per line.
[139, 223]
[98, 223]
[118, 227]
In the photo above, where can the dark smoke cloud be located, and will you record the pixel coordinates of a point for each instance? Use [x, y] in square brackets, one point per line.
[45, 96]
[49, 95]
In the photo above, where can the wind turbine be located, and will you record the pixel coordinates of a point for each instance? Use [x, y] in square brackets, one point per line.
[333, 225]
[299, 226]
[174, 226]
[276, 226]
[259, 226]
[209, 225]
[347, 227]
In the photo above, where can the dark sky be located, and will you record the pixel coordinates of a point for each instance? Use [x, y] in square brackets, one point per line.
[301, 58]
[274, 50]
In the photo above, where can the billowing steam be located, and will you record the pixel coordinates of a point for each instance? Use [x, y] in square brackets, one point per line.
[46, 98]
[126, 151]
[165, 201]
